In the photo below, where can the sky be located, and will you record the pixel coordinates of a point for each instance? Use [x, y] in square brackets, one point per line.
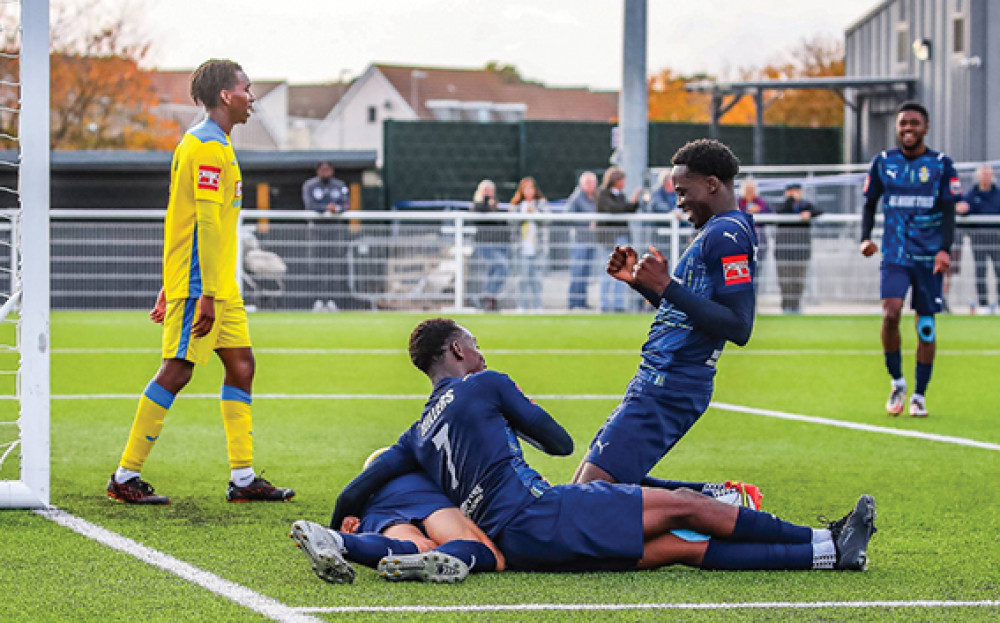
[558, 42]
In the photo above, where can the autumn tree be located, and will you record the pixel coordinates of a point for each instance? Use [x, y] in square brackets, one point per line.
[669, 100]
[100, 97]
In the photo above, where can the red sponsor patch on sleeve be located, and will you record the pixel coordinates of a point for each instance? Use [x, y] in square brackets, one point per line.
[208, 177]
[955, 185]
[868, 179]
[736, 269]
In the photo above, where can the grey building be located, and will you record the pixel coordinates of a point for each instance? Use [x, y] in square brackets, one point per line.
[952, 49]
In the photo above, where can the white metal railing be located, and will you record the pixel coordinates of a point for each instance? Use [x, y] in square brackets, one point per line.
[459, 260]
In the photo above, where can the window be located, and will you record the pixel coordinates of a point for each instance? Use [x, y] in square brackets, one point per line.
[958, 34]
[902, 43]
[372, 114]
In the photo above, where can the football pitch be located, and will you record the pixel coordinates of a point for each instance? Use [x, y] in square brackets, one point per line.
[799, 412]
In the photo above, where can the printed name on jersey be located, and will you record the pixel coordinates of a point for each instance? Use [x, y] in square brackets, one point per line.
[736, 269]
[955, 185]
[208, 177]
[432, 416]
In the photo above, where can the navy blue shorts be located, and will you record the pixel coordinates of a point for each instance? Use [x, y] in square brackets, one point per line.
[410, 498]
[654, 414]
[580, 527]
[898, 279]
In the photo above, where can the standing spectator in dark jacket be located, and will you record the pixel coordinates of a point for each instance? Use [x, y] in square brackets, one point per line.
[492, 240]
[611, 200]
[983, 199]
[327, 196]
[793, 248]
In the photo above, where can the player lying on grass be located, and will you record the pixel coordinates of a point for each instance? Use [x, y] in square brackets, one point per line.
[409, 515]
[708, 301]
[467, 442]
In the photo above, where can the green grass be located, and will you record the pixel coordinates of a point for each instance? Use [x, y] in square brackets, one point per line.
[938, 514]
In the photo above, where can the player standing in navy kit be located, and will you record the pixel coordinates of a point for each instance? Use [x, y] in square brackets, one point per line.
[709, 300]
[918, 187]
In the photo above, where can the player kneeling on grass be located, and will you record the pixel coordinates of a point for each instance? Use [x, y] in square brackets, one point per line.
[467, 442]
[408, 530]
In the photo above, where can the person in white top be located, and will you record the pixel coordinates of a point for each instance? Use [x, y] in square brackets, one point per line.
[528, 199]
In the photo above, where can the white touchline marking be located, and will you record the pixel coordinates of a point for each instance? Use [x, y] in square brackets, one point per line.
[899, 432]
[523, 351]
[661, 606]
[232, 591]
[781, 415]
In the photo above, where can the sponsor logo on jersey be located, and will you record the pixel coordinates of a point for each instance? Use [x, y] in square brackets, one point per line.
[730, 234]
[924, 175]
[239, 189]
[955, 185]
[868, 179]
[208, 177]
[736, 269]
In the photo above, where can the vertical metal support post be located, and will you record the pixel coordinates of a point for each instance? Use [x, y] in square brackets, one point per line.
[459, 262]
[758, 127]
[633, 105]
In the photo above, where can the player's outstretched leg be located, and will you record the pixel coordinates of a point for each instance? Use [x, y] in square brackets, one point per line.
[325, 550]
[851, 534]
[433, 566]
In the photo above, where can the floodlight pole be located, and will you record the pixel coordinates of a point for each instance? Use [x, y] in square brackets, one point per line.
[632, 104]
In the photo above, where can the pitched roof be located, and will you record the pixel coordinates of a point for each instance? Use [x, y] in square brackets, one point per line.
[481, 85]
[314, 101]
[174, 87]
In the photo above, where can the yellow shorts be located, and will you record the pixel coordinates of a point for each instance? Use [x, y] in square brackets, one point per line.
[230, 330]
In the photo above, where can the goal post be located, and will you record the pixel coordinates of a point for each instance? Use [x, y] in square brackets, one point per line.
[29, 268]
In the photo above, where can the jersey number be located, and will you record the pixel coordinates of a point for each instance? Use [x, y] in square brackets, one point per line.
[441, 442]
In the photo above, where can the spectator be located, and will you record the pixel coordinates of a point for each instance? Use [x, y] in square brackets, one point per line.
[753, 203]
[528, 199]
[327, 196]
[983, 199]
[662, 200]
[793, 248]
[611, 200]
[581, 261]
[492, 242]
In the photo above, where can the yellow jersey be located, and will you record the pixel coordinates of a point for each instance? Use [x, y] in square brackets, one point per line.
[201, 231]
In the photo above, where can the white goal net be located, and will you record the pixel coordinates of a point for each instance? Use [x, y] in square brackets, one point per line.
[24, 254]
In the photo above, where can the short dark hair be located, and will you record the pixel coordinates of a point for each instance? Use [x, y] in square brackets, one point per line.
[914, 106]
[707, 156]
[428, 340]
[210, 78]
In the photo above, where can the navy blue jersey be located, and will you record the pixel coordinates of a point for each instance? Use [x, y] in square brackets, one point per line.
[409, 498]
[720, 260]
[911, 192]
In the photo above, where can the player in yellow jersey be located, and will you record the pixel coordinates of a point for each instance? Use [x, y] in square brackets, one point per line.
[200, 304]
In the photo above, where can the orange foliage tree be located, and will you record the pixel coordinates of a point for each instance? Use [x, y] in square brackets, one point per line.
[819, 57]
[100, 97]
